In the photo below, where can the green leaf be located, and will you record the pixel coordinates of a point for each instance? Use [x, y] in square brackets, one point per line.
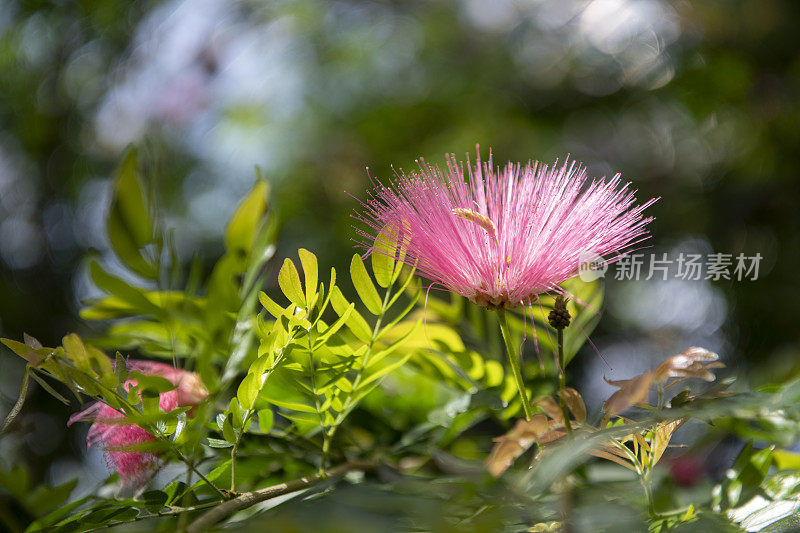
[311, 272]
[355, 322]
[270, 305]
[154, 500]
[129, 225]
[248, 390]
[46, 386]
[243, 225]
[218, 443]
[34, 357]
[227, 430]
[285, 390]
[266, 419]
[289, 281]
[76, 351]
[154, 384]
[785, 460]
[384, 251]
[333, 328]
[235, 414]
[380, 369]
[120, 368]
[364, 286]
[396, 344]
[747, 473]
[135, 296]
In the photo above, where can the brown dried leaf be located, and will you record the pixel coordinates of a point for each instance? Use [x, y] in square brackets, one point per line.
[662, 435]
[550, 408]
[552, 435]
[641, 442]
[631, 392]
[575, 403]
[606, 453]
[31, 341]
[687, 364]
[515, 442]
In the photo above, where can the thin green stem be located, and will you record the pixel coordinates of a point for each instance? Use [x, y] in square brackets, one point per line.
[348, 403]
[513, 360]
[562, 381]
[183, 518]
[648, 494]
[644, 479]
[191, 466]
[234, 449]
[325, 434]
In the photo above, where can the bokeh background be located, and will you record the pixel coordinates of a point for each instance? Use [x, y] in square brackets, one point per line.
[696, 102]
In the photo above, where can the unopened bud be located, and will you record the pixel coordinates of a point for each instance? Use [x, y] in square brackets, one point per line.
[559, 317]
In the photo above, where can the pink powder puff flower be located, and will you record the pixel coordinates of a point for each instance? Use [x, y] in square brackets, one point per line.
[108, 431]
[502, 237]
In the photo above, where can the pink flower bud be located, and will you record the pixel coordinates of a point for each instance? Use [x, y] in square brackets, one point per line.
[116, 437]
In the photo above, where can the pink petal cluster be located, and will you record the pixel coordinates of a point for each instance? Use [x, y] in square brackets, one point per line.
[500, 237]
[109, 430]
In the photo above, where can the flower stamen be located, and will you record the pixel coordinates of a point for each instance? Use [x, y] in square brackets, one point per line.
[476, 218]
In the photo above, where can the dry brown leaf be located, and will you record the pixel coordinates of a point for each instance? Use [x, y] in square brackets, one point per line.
[575, 403]
[550, 408]
[688, 364]
[662, 435]
[631, 392]
[641, 443]
[32, 342]
[514, 443]
[605, 453]
[552, 435]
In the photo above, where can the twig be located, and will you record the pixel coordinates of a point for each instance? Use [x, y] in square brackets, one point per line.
[248, 499]
[23, 392]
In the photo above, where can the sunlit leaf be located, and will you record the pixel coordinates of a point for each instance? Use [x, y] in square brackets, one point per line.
[364, 286]
[691, 363]
[631, 392]
[266, 419]
[289, 281]
[383, 256]
[355, 322]
[248, 390]
[311, 274]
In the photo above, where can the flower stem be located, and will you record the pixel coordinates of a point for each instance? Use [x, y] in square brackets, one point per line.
[513, 360]
[562, 381]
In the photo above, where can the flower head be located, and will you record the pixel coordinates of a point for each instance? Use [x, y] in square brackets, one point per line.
[499, 236]
[110, 431]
